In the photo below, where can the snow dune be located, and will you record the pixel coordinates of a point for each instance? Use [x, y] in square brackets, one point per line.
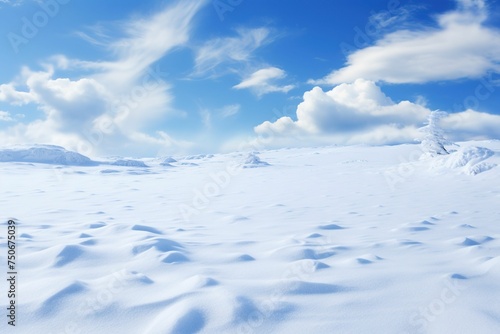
[322, 240]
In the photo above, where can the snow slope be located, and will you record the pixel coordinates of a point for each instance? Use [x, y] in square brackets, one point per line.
[322, 240]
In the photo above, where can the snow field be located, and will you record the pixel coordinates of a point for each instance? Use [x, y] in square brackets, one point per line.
[324, 240]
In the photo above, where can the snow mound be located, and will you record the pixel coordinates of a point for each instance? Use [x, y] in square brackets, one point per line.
[129, 163]
[253, 161]
[471, 160]
[468, 156]
[45, 154]
[168, 160]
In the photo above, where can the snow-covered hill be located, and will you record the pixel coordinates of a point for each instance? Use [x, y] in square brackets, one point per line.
[323, 240]
[47, 154]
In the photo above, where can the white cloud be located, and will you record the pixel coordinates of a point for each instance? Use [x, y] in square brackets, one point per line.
[229, 110]
[471, 124]
[229, 50]
[260, 81]
[145, 41]
[108, 110]
[11, 2]
[347, 108]
[5, 116]
[72, 104]
[9, 93]
[206, 118]
[462, 46]
[360, 113]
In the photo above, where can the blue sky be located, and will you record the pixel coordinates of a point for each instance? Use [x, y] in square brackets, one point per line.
[145, 78]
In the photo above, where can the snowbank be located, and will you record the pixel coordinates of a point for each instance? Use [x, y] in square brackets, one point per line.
[46, 154]
[470, 160]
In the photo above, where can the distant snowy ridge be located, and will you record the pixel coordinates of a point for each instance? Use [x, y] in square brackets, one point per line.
[129, 163]
[46, 154]
[57, 155]
[467, 159]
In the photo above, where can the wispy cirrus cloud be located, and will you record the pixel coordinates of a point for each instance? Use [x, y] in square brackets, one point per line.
[261, 81]
[144, 41]
[461, 46]
[227, 51]
[229, 110]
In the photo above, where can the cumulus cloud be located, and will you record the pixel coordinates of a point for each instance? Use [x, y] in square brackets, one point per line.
[229, 50]
[472, 124]
[260, 82]
[9, 93]
[347, 108]
[360, 113]
[72, 104]
[462, 46]
[119, 100]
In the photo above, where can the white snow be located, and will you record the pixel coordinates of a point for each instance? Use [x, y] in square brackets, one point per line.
[324, 240]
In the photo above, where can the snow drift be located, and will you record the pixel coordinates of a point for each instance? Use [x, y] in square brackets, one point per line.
[470, 160]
